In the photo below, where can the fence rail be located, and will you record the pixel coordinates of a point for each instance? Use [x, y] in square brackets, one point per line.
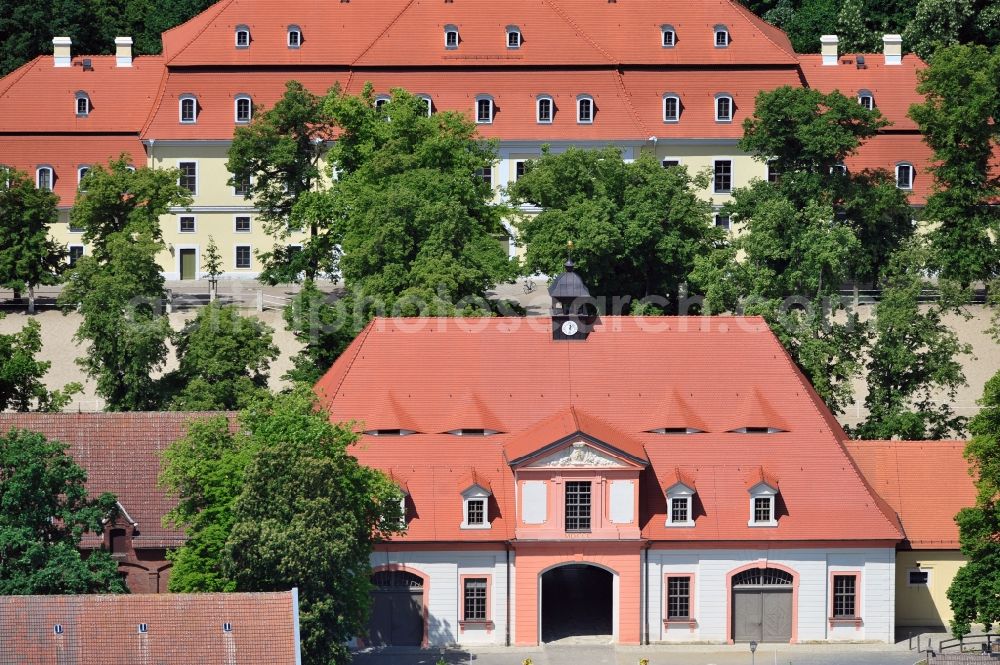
[986, 643]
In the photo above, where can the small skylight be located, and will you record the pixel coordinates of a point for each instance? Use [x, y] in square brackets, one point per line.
[143, 628]
[57, 629]
[676, 430]
[227, 627]
[756, 430]
[389, 432]
[472, 432]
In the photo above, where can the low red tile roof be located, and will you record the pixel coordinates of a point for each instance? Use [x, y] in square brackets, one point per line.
[180, 628]
[679, 477]
[671, 412]
[473, 479]
[565, 424]
[121, 453]
[627, 362]
[925, 482]
[885, 151]
[761, 475]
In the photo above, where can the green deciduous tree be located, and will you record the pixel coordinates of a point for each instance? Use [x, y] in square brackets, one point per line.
[975, 591]
[938, 23]
[28, 256]
[224, 360]
[324, 324]
[46, 511]
[636, 226]
[913, 367]
[962, 90]
[118, 288]
[22, 386]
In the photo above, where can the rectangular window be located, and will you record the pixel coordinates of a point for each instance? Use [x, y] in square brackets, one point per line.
[678, 598]
[671, 163]
[762, 509]
[484, 110]
[241, 186]
[189, 109]
[475, 512]
[904, 176]
[243, 224]
[544, 110]
[671, 109]
[577, 506]
[919, 577]
[724, 109]
[45, 179]
[451, 39]
[474, 591]
[189, 176]
[586, 110]
[75, 252]
[721, 38]
[772, 173]
[679, 509]
[723, 176]
[243, 110]
[243, 256]
[187, 225]
[518, 170]
[844, 587]
[723, 221]
[668, 38]
[486, 174]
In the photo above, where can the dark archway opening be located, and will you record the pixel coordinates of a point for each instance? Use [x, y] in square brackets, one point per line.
[577, 600]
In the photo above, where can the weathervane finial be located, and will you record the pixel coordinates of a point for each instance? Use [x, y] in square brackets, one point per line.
[569, 256]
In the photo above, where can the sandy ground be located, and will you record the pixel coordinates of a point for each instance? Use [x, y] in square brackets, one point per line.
[60, 349]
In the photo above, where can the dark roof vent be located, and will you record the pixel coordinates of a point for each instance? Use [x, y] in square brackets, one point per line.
[227, 627]
[143, 628]
[861, 62]
[57, 629]
[88, 65]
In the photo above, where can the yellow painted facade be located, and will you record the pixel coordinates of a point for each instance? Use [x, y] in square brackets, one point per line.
[925, 604]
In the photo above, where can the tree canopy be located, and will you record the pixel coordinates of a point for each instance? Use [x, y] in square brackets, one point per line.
[22, 376]
[28, 255]
[636, 226]
[46, 511]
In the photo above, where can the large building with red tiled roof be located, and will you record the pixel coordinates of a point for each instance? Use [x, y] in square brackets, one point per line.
[245, 628]
[660, 479]
[672, 80]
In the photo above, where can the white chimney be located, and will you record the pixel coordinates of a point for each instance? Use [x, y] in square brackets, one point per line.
[893, 48]
[829, 49]
[62, 51]
[123, 51]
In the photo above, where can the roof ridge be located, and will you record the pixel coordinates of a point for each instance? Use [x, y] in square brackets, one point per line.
[221, 7]
[155, 106]
[18, 74]
[362, 338]
[381, 34]
[552, 4]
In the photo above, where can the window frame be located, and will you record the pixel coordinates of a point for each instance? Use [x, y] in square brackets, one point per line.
[677, 100]
[194, 192]
[912, 171]
[677, 162]
[918, 569]
[666, 29]
[180, 224]
[717, 217]
[448, 30]
[721, 30]
[845, 618]
[81, 173]
[864, 94]
[38, 177]
[763, 491]
[580, 99]
[380, 101]
[236, 257]
[715, 175]
[236, 225]
[476, 493]
[589, 506]
[288, 37]
[538, 109]
[732, 107]
[519, 170]
[486, 175]
[242, 97]
[513, 30]
[680, 492]
[690, 619]
[772, 174]
[236, 188]
[241, 29]
[81, 96]
[428, 101]
[187, 97]
[492, 108]
[69, 253]
[487, 600]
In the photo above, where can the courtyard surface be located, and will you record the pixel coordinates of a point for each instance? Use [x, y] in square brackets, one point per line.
[593, 654]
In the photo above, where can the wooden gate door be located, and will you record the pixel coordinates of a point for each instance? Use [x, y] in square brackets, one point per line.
[397, 616]
[762, 605]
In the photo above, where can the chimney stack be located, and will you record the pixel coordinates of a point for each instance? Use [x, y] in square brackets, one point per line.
[893, 48]
[829, 49]
[62, 48]
[123, 51]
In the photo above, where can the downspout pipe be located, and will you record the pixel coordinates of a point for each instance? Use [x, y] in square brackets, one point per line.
[507, 624]
[645, 593]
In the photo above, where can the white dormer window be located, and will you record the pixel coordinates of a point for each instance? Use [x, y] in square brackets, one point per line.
[188, 109]
[44, 178]
[242, 36]
[82, 104]
[544, 110]
[721, 36]
[585, 109]
[381, 101]
[723, 108]
[451, 37]
[679, 505]
[429, 103]
[513, 36]
[866, 99]
[762, 500]
[294, 36]
[904, 175]
[668, 36]
[671, 107]
[244, 109]
[484, 110]
[476, 508]
[81, 173]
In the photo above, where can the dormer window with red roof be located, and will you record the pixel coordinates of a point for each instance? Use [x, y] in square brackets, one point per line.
[756, 430]
[82, 104]
[544, 109]
[244, 109]
[668, 36]
[473, 432]
[484, 110]
[381, 101]
[671, 107]
[585, 109]
[721, 36]
[188, 109]
[389, 432]
[451, 37]
[429, 102]
[242, 36]
[513, 36]
[476, 494]
[680, 496]
[866, 99]
[44, 178]
[763, 489]
[724, 107]
[294, 36]
[904, 175]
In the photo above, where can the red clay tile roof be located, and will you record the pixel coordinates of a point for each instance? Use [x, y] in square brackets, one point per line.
[925, 482]
[471, 412]
[885, 151]
[181, 628]
[761, 475]
[473, 479]
[565, 424]
[679, 477]
[525, 378]
[755, 411]
[121, 453]
[40, 98]
[671, 412]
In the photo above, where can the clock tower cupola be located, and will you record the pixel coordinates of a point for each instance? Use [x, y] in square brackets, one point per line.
[573, 309]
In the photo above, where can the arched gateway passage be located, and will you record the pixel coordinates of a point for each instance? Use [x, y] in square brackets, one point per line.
[397, 615]
[577, 600]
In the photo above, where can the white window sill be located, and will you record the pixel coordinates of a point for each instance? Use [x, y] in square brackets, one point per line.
[762, 524]
[475, 526]
[679, 525]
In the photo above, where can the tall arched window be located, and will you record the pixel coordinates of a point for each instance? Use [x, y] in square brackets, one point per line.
[429, 103]
[671, 107]
[724, 107]
[668, 36]
[451, 38]
[294, 36]
[904, 175]
[82, 103]
[44, 178]
[242, 36]
[721, 36]
[244, 109]
[585, 109]
[544, 109]
[188, 108]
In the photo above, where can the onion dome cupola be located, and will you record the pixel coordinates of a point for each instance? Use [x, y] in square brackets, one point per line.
[574, 311]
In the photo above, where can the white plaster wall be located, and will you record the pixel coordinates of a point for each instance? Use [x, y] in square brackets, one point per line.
[813, 566]
[445, 599]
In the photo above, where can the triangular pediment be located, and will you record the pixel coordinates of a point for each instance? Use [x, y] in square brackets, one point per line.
[578, 455]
